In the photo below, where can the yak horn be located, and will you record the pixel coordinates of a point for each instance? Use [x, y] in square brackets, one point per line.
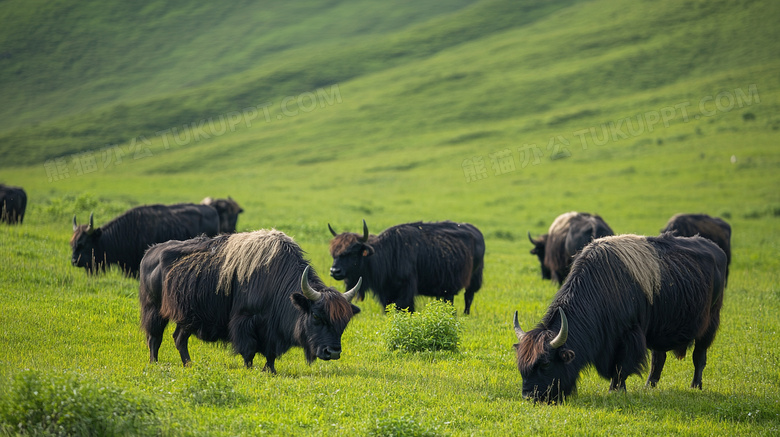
[331, 230]
[560, 339]
[365, 232]
[349, 295]
[74, 222]
[90, 227]
[310, 293]
[531, 238]
[518, 330]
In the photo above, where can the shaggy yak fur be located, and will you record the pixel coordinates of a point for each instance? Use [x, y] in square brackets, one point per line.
[430, 259]
[568, 234]
[625, 294]
[711, 228]
[254, 290]
[123, 240]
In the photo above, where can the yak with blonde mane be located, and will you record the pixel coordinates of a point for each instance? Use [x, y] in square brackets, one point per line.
[625, 294]
[568, 234]
[254, 290]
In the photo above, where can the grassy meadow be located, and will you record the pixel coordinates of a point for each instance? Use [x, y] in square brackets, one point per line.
[502, 114]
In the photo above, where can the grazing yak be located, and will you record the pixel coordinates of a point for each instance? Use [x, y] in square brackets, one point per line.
[228, 211]
[252, 289]
[431, 259]
[568, 234]
[712, 228]
[13, 203]
[625, 294]
[123, 240]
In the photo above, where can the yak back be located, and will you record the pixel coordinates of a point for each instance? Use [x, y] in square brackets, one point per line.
[712, 228]
[126, 238]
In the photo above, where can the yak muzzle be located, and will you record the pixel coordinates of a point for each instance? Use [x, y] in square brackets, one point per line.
[336, 273]
[330, 353]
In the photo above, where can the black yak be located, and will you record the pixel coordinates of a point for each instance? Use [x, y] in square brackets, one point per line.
[123, 240]
[711, 228]
[13, 203]
[568, 234]
[431, 259]
[252, 289]
[625, 294]
[228, 211]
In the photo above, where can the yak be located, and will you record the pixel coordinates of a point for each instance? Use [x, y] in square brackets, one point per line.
[431, 259]
[123, 240]
[568, 234]
[13, 203]
[625, 294]
[228, 210]
[252, 289]
[711, 228]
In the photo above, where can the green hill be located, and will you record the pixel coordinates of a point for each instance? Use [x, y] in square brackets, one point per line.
[78, 78]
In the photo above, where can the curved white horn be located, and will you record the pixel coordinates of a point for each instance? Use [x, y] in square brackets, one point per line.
[310, 293]
[349, 295]
[563, 334]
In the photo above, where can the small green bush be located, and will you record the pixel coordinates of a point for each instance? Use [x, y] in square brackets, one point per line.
[434, 328]
[35, 404]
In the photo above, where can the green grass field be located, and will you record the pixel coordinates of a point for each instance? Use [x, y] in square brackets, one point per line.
[502, 114]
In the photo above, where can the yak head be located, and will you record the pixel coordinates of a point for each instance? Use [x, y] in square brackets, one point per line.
[538, 250]
[325, 316]
[228, 211]
[85, 244]
[349, 252]
[545, 363]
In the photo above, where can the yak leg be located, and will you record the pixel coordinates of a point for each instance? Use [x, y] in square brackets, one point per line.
[244, 338]
[618, 381]
[154, 325]
[629, 358]
[473, 287]
[699, 361]
[406, 296]
[181, 338]
[656, 367]
[269, 364]
[468, 297]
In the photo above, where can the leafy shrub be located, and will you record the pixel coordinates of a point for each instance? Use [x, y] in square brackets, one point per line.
[434, 328]
[35, 404]
[209, 387]
[403, 426]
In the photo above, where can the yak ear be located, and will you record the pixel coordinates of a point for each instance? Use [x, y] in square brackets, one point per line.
[367, 250]
[355, 310]
[567, 355]
[301, 302]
